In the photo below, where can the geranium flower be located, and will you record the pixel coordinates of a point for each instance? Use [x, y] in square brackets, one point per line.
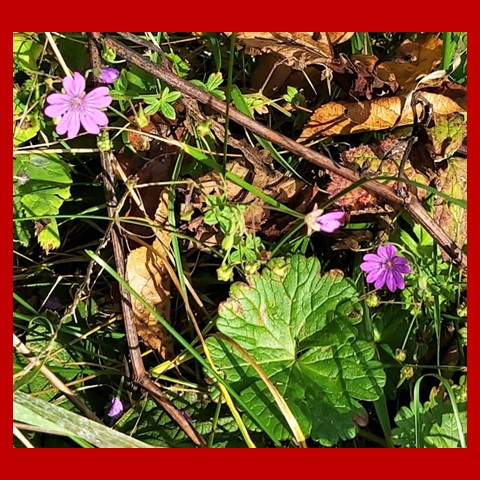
[77, 108]
[108, 75]
[117, 409]
[385, 268]
[317, 221]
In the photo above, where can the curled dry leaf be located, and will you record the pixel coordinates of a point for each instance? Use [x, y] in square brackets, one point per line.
[412, 62]
[359, 76]
[148, 276]
[415, 59]
[297, 49]
[345, 117]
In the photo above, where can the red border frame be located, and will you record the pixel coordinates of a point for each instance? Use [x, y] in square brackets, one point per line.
[247, 16]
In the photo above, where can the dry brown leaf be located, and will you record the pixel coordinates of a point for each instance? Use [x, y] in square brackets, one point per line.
[297, 49]
[148, 276]
[345, 117]
[339, 37]
[412, 61]
[415, 59]
[359, 77]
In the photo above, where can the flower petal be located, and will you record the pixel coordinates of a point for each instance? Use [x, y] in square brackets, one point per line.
[371, 266]
[336, 216]
[53, 111]
[372, 257]
[380, 282]
[64, 123]
[390, 280]
[58, 98]
[374, 275]
[398, 280]
[74, 86]
[390, 250]
[401, 265]
[382, 252]
[89, 124]
[97, 116]
[74, 126]
[98, 98]
[108, 75]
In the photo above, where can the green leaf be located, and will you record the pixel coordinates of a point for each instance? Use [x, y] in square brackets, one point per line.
[152, 425]
[168, 96]
[28, 129]
[167, 110]
[214, 81]
[298, 328]
[37, 412]
[26, 51]
[437, 425]
[42, 184]
[42, 173]
[135, 81]
[180, 65]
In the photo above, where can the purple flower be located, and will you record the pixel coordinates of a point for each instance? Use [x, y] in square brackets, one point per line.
[328, 222]
[75, 107]
[117, 409]
[385, 268]
[108, 75]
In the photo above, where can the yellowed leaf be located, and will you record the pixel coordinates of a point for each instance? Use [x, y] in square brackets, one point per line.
[453, 218]
[415, 59]
[339, 37]
[345, 117]
[147, 275]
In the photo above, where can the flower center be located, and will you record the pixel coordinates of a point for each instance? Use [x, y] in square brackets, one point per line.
[389, 264]
[76, 103]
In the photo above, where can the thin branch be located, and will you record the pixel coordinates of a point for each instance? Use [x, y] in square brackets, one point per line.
[411, 204]
[140, 376]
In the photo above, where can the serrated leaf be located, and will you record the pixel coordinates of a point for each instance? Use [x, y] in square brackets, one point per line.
[43, 173]
[299, 331]
[21, 231]
[437, 426]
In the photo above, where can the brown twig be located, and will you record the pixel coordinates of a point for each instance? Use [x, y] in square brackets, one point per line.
[140, 376]
[410, 203]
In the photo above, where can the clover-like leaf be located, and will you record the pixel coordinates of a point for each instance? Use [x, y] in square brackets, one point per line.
[298, 327]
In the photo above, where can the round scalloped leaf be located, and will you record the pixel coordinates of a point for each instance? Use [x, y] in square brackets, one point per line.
[299, 329]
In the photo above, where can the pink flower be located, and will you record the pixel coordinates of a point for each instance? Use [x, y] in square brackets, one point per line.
[117, 409]
[108, 75]
[77, 108]
[385, 268]
[317, 221]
